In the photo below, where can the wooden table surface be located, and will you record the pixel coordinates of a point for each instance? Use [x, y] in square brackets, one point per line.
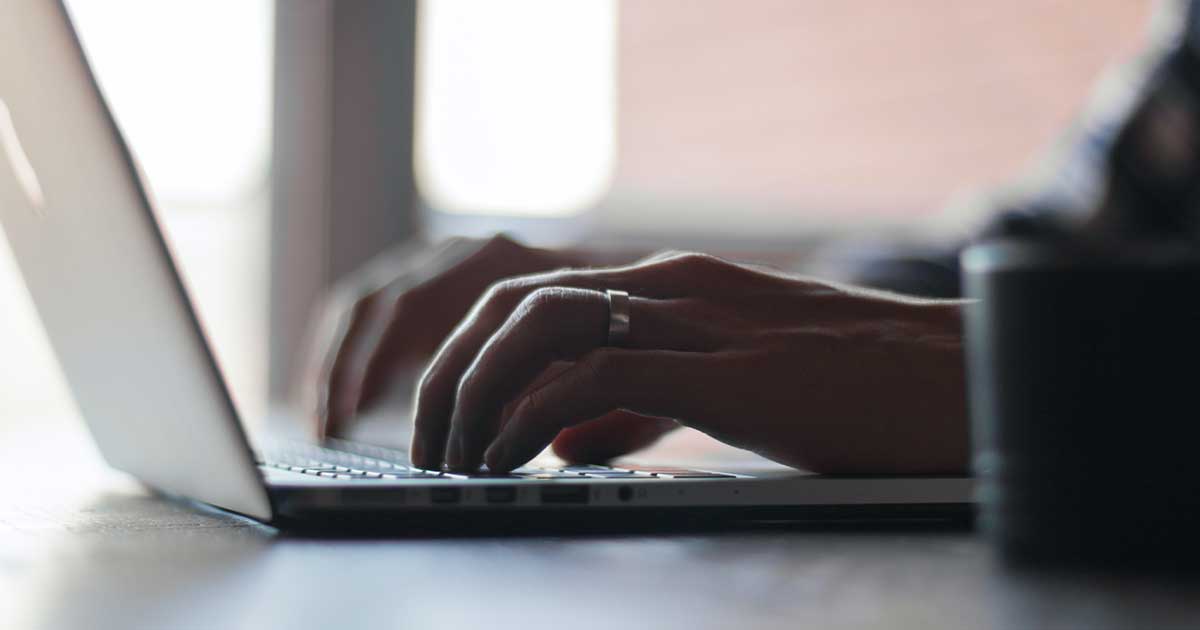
[85, 547]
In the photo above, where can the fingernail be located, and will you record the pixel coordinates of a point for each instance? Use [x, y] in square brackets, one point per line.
[495, 456]
[416, 454]
[454, 454]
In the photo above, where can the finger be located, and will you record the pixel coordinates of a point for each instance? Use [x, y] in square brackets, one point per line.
[424, 314]
[367, 340]
[551, 324]
[648, 382]
[394, 347]
[340, 390]
[550, 373]
[555, 324]
[610, 436]
[418, 307]
[439, 384]
[341, 360]
[310, 387]
[673, 276]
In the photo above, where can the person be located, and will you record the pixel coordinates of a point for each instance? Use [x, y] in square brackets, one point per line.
[813, 374]
[834, 378]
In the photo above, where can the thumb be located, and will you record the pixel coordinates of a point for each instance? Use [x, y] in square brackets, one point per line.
[610, 436]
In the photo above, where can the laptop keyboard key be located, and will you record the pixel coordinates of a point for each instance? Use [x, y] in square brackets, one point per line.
[410, 475]
[585, 468]
[695, 475]
[551, 474]
[611, 474]
[354, 461]
[654, 470]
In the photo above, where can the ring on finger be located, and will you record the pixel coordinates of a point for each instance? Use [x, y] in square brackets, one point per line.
[618, 317]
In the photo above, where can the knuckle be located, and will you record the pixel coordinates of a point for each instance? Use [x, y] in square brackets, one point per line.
[503, 293]
[362, 305]
[399, 303]
[493, 291]
[679, 262]
[466, 387]
[663, 255]
[421, 290]
[541, 303]
[431, 391]
[489, 306]
[501, 242]
[484, 250]
[426, 391]
[408, 302]
[692, 260]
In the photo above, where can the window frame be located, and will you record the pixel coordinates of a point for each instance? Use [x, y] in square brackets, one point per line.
[343, 130]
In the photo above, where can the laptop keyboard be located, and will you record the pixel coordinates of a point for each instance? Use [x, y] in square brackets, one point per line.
[339, 459]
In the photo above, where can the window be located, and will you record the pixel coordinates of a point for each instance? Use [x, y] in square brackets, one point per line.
[515, 105]
[748, 117]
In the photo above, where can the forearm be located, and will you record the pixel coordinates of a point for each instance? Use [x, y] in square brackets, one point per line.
[895, 389]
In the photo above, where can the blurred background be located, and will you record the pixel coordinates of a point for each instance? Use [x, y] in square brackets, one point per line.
[279, 139]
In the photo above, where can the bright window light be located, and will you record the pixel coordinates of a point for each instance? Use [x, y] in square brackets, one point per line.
[515, 105]
[190, 85]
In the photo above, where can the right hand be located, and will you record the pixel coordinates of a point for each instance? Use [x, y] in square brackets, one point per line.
[820, 376]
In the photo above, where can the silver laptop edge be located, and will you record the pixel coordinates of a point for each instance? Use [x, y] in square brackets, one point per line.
[102, 279]
[100, 273]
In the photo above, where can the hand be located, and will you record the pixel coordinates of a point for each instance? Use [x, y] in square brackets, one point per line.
[390, 318]
[813, 375]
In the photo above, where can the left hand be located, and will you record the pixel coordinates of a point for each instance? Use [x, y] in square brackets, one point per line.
[810, 374]
[382, 324]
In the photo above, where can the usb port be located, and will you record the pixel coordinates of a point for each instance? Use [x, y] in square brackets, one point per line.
[445, 495]
[565, 494]
[500, 494]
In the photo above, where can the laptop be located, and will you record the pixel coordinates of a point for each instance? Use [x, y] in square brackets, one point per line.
[101, 275]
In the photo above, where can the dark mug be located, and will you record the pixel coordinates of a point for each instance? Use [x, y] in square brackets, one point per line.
[1084, 388]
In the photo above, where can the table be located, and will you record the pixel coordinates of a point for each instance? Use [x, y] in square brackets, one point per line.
[82, 546]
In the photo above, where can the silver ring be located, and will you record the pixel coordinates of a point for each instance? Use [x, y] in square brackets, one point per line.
[618, 317]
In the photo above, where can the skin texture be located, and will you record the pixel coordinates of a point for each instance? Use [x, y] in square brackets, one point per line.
[383, 325]
[815, 375]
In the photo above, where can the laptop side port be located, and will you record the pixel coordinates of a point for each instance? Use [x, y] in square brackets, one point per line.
[500, 494]
[564, 494]
[445, 495]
